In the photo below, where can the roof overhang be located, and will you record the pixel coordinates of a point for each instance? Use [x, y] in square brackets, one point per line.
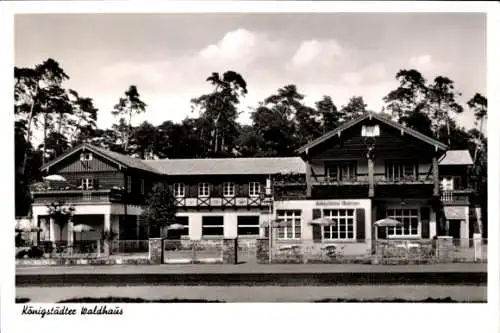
[438, 146]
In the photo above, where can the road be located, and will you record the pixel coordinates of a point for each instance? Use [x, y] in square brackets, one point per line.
[257, 294]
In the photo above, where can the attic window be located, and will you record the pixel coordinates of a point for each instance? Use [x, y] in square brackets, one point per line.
[86, 156]
[370, 131]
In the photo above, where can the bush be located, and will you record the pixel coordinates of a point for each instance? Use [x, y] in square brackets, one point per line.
[35, 252]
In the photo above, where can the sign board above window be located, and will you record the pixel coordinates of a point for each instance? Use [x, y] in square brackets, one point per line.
[370, 131]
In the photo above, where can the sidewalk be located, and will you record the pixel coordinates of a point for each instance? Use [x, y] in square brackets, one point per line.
[248, 268]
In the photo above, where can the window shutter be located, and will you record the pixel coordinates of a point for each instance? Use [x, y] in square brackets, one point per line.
[360, 225]
[424, 220]
[244, 190]
[192, 190]
[316, 214]
[217, 188]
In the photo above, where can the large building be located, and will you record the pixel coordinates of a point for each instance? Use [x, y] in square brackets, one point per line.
[367, 169]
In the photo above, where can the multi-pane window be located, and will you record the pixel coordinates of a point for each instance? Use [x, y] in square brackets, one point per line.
[248, 225]
[400, 170]
[86, 156]
[228, 189]
[289, 224]
[409, 218]
[183, 220]
[87, 183]
[212, 226]
[179, 190]
[343, 227]
[341, 171]
[203, 190]
[254, 189]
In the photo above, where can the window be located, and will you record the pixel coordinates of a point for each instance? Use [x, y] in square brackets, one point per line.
[212, 226]
[203, 190]
[341, 171]
[344, 224]
[254, 189]
[87, 183]
[409, 218]
[142, 186]
[228, 189]
[370, 131]
[291, 224]
[248, 225]
[400, 170]
[129, 184]
[184, 220]
[179, 190]
[86, 156]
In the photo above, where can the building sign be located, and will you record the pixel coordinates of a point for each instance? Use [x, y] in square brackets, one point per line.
[215, 201]
[454, 213]
[339, 203]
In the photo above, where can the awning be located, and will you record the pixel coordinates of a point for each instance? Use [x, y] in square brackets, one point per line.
[454, 213]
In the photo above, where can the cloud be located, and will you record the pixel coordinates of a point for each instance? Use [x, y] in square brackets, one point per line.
[420, 61]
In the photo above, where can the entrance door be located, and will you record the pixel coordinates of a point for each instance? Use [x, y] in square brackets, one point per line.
[455, 229]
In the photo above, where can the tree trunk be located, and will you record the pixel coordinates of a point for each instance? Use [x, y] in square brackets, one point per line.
[28, 130]
[44, 136]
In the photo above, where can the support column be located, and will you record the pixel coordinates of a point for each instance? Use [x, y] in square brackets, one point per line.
[70, 231]
[137, 227]
[308, 180]
[107, 230]
[435, 175]
[371, 178]
[52, 231]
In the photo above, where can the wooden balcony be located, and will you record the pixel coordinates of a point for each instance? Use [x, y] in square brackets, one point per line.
[77, 196]
[456, 197]
[379, 179]
[221, 202]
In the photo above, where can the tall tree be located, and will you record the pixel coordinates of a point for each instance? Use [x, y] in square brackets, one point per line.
[219, 110]
[144, 139]
[330, 116]
[409, 97]
[127, 107]
[442, 99]
[84, 117]
[479, 105]
[33, 90]
[356, 107]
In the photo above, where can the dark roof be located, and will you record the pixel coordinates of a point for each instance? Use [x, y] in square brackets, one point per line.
[224, 166]
[380, 118]
[456, 157]
[120, 159]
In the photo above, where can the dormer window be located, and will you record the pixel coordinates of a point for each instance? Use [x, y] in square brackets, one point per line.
[370, 131]
[86, 156]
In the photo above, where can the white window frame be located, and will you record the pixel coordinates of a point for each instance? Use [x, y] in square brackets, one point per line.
[397, 214]
[212, 226]
[201, 192]
[344, 170]
[179, 190]
[397, 168]
[292, 219]
[251, 189]
[87, 183]
[349, 215]
[228, 190]
[86, 156]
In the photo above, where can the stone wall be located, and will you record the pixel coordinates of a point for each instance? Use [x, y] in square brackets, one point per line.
[230, 251]
[156, 251]
[262, 250]
[445, 249]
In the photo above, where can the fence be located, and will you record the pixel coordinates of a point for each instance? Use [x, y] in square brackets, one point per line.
[189, 251]
[387, 251]
[129, 246]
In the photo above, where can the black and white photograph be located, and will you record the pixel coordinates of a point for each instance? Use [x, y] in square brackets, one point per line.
[249, 157]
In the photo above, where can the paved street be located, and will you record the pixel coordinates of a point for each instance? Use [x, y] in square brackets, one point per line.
[247, 268]
[257, 294]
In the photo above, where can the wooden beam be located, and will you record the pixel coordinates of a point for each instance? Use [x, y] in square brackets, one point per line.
[371, 179]
[308, 179]
[435, 175]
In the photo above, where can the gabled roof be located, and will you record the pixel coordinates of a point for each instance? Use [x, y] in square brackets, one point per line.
[456, 157]
[225, 166]
[120, 159]
[343, 127]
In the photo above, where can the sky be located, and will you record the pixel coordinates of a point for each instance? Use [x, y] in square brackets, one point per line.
[169, 56]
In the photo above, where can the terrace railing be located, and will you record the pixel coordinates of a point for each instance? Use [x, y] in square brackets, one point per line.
[190, 251]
